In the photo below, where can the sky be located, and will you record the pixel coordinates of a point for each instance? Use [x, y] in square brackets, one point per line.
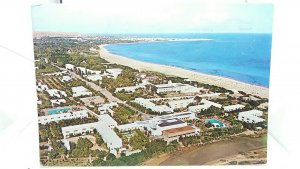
[145, 16]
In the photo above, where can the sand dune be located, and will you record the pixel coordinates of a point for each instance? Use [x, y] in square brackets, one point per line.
[180, 72]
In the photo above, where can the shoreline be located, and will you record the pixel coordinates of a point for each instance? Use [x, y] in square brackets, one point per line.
[184, 73]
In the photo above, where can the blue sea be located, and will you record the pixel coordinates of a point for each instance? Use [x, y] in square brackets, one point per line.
[243, 57]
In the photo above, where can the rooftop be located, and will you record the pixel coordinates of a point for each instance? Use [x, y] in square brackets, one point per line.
[171, 122]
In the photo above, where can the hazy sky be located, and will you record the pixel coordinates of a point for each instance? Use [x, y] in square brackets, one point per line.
[166, 16]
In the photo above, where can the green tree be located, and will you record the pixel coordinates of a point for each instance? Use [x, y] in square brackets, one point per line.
[139, 140]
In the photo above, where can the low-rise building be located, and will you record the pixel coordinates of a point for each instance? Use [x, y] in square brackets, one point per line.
[114, 72]
[129, 89]
[112, 140]
[70, 67]
[81, 70]
[62, 116]
[204, 104]
[89, 71]
[94, 77]
[56, 93]
[159, 123]
[251, 116]
[108, 121]
[181, 103]
[233, 107]
[80, 91]
[66, 143]
[65, 79]
[176, 87]
[57, 101]
[41, 87]
[148, 104]
[106, 108]
[175, 133]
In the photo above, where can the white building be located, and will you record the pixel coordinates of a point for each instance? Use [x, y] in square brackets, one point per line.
[182, 103]
[62, 116]
[94, 77]
[80, 91]
[148, 104]
[55, 73]
[176, 87]
[251, 116]
[108, 121]
[65, 79]
[89, 71]
[56, 93]
[112, 140]
[131, 89]
[81, 70]
[70, 67]
[114, 72]
[66, 143]
[233, 107]
[106, 108]
[153, 123]
[57, 101]
[40, 87]
[204, 104]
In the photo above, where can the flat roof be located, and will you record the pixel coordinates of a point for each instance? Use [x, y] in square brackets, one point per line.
[179, 129]
[170, 123]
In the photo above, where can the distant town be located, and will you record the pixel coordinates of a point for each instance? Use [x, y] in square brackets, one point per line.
[93, 112]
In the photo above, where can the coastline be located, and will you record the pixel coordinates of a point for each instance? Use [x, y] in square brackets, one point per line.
[184, 73]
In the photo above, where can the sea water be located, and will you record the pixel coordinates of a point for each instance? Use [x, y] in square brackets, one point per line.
[243, 57]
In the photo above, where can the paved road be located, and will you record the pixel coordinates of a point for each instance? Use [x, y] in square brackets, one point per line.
[106, 93]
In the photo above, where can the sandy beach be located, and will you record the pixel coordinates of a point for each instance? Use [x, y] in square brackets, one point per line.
[180, 72]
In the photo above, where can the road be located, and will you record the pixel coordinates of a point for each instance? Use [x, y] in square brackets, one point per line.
[106, 93]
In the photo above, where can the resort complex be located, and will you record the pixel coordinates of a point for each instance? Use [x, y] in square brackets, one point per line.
[94, 111]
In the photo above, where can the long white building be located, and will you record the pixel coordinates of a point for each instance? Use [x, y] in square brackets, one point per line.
[94, 77]
[114, 72]
[251, 116]
[204, 104]
[176, 87]
[112, 140]
[108, 121]
[159, 123]
[233, 107]
[57, 101]
[131, 89]
[56, 93]
[62, 116]
[148, 104]
[181, 103]
[80, 91]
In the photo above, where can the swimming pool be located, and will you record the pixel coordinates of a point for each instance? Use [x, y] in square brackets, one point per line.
[215, 123]
[58, 110]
